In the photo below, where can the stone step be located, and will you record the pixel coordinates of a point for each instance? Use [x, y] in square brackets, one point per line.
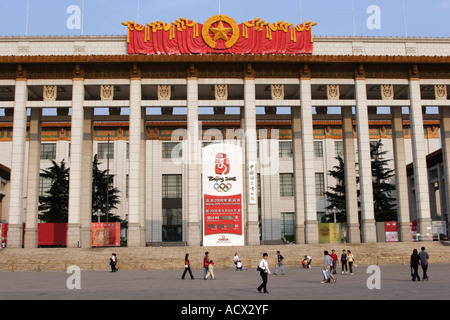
[42, 259]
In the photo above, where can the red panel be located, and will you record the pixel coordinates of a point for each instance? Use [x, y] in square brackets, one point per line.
[52, 234]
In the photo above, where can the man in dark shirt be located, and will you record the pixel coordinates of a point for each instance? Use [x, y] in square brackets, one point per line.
[423, 255]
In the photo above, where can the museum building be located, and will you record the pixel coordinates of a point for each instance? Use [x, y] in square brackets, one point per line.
[151, 102]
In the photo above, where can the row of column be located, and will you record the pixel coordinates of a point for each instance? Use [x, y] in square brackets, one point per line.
[80, 202]
[364, 229]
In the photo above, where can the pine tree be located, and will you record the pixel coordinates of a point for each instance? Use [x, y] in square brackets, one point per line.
[55, 203]
[336, 195]
[99, 188]
[383, 202]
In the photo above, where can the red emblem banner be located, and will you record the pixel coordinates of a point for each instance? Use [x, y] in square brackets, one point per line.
[220, 34]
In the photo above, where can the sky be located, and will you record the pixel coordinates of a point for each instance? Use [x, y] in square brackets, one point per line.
[372, 18]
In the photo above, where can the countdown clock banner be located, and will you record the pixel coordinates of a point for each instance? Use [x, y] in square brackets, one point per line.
[222, 195]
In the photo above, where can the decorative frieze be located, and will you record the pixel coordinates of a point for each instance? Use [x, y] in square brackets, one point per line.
[164, 92]
[387, 92]
[440, 92]
[221, 91]
[49, 93]
[277, 91]
[107, 92]
[333, 92]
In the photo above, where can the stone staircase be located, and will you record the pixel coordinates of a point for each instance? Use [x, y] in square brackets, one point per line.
[46, 259]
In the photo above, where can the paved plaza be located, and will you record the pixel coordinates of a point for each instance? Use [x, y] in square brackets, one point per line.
[297, 284]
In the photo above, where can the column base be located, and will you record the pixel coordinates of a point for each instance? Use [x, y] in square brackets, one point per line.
[14, 237]
[193, 235]
[86, 238]
[252, 230]
[353, 233]
[368, 231]
[404, 232]
[31, 238]
[134, 235]
[300, 234]
[311, 232]
[425, 229]
[73, 235]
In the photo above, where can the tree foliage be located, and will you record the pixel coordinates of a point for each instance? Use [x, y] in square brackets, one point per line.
[54, 204]
[384, 203]
[100, 188]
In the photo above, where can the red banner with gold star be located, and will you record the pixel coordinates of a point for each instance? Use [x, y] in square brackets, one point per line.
[219, 34]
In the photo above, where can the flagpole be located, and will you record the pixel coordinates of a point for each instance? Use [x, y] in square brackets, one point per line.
[219, 7]
[28, 12]
[353, 15]
[404, 19]
[138, 11]
[301, 18]
[82, 17]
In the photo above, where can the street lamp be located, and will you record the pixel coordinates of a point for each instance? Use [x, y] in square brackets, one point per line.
[334, 213]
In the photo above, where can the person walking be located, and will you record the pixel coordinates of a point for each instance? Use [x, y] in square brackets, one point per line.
[280, 259]
[327, 268]
[187, 267]
[236, 258]
[424, 263]
[414, 265]
[263, 269]
[344, 261]
[210, 271]
[350, 260]
[113, 262]
[335, 260]
[205, 264]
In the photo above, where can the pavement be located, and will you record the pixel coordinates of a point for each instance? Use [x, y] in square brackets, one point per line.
[394, 283]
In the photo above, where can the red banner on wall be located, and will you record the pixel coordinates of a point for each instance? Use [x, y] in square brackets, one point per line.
[52, 234]
[219, 34]
[106, 234]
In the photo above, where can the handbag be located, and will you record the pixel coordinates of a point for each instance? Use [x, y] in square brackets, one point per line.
[259, 269]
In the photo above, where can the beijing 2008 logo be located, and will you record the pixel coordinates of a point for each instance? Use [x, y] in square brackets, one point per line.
[222, 164]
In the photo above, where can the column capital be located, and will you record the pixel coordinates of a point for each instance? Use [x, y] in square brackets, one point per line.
[135, 72]
[78, 73]
[414, 73]
[305, 72]
[360, 72]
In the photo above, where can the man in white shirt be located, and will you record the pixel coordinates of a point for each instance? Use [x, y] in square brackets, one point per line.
[263, 268]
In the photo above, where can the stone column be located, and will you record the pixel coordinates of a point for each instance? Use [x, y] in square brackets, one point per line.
[419, 161]
[34, 160]
[445, 137]
[86, 183]
[404, 228]
[135, 173]
[76, 165]
[142, 178]
[351, 197]
[252, 226]
[192, 165]
[368, 230]
[309, 179]
[14, 239]
[298, 176]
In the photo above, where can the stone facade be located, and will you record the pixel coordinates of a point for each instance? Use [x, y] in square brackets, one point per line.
[305, 99]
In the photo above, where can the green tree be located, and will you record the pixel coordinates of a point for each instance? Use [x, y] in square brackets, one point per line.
[383, 202]
[54, 204]
[100, 188]
[336, 195]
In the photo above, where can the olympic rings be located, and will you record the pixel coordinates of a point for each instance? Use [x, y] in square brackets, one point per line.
[222, 187]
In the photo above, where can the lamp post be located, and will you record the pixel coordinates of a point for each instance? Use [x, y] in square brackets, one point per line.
[334, 213]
